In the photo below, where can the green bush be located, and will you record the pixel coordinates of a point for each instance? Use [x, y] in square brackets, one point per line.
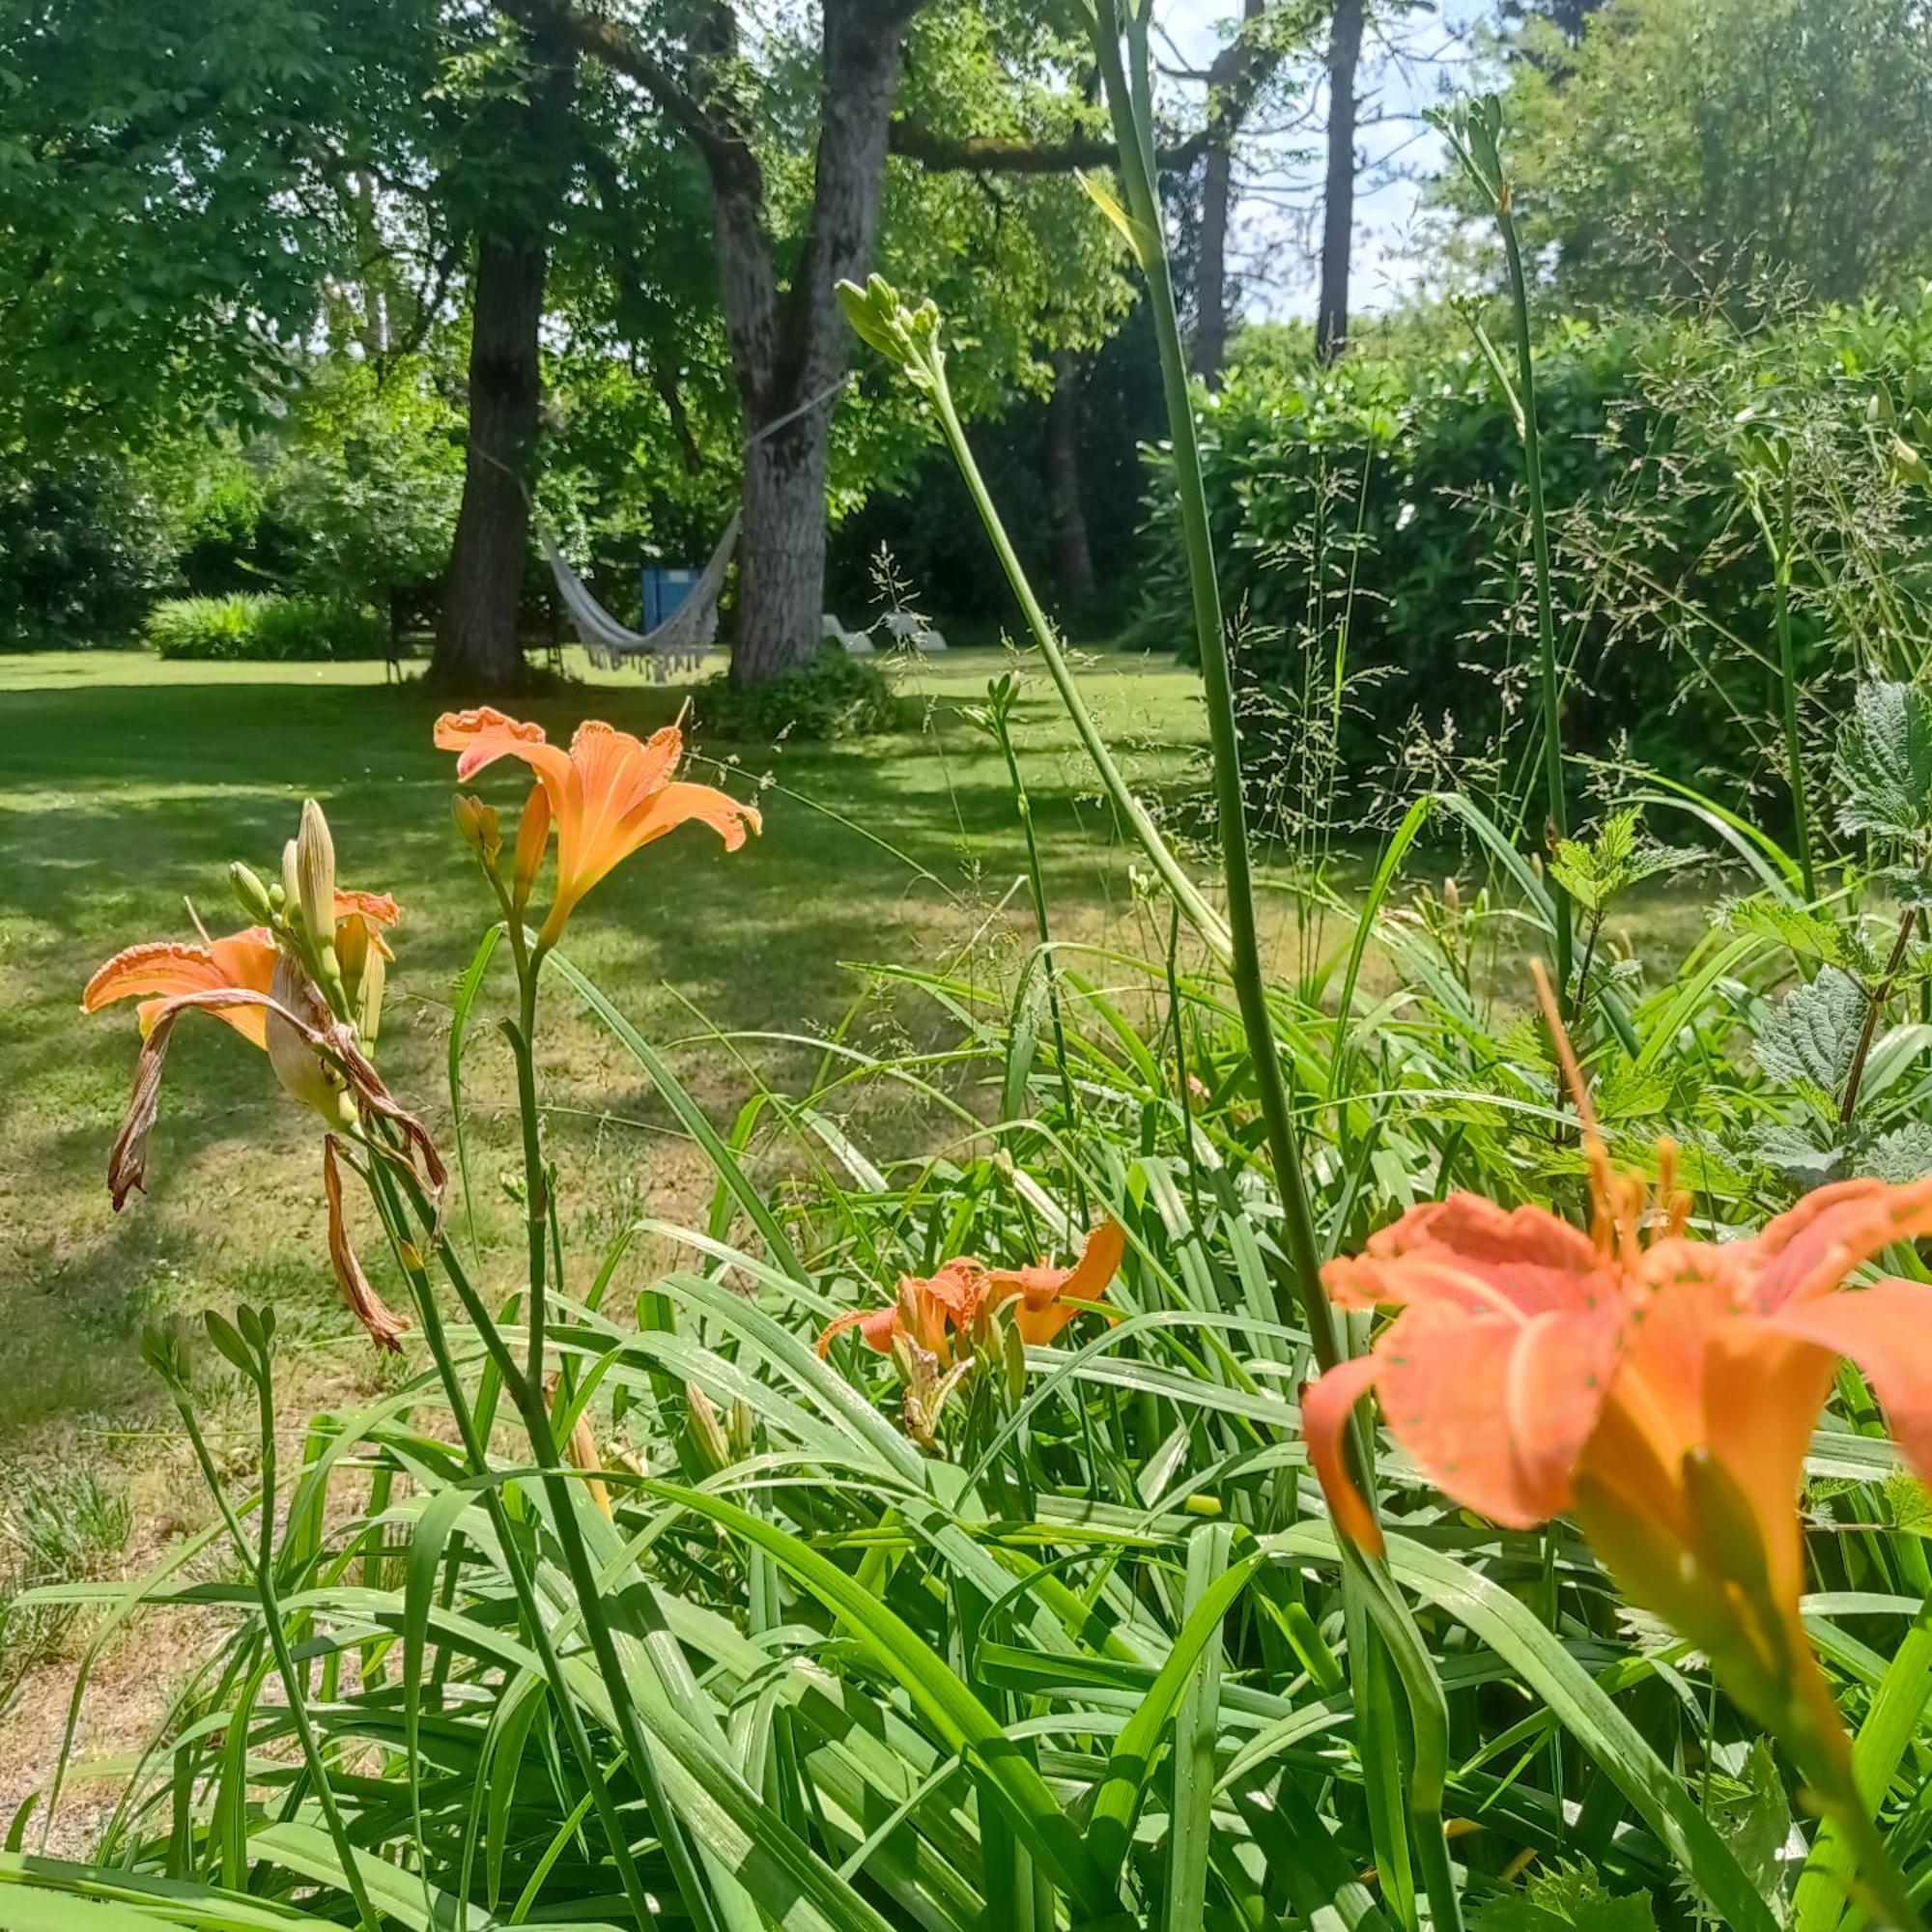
[1389, 488]
[318, 627]
[264, 629]
[203, 627]
[837, 695]
[84, 543]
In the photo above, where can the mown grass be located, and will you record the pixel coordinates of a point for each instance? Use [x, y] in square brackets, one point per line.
[126, 786]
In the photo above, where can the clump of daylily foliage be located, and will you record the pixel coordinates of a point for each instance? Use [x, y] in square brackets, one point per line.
[1002, 1536]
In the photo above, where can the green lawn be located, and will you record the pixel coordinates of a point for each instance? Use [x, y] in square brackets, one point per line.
[127, 785]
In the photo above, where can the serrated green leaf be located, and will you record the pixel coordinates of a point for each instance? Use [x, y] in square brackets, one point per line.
[1808, 931]
[1572, 1898]
[1900, 1156]
[1752, 1815]
[1809, 1036]
[1884, 763]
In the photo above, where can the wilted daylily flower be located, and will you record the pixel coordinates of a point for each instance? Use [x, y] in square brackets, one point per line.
[164, 969]
[1661, 1388]
[929, 1311]
[257, 985]
[607, 795]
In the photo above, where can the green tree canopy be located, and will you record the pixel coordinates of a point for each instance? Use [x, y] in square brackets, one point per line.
[1687, 148]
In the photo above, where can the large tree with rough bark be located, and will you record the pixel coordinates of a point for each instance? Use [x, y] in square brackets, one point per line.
[789, 348]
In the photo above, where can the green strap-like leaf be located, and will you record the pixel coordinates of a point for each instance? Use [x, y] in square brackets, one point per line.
[949, 1704]
[691, 1115]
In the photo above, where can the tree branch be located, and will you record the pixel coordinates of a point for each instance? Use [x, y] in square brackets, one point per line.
[995, 153]
[1236, 79]
[726, 151]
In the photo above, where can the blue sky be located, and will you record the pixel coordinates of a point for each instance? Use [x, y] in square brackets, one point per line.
[1407, 63]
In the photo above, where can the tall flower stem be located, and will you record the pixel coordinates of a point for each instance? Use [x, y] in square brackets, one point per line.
[536, 1182]
[999, 721]
[262, 1560]
[1200, 914]
[1787, 681]
[1876, 999]
[1548, 678]
[1131, 102]
[1474, 131]
[1131, 106]
[477, 1455]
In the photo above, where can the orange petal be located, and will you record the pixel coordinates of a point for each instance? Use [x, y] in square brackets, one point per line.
[1046, 1293]
[682, 804]
[1764, 1387]
[1887, 1330]
[619, 772]
[483, 736]
[1810, 1249]
[372, 909]
[1326, 1405]
[1469, 1253]
[1495, 1413]
[166, 969]
[876, 1328]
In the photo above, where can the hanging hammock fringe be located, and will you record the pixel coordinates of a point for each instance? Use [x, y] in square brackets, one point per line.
[676, 647]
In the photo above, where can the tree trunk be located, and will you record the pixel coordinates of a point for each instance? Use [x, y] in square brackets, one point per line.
[1227, 79]
[790, 351]
[1338, 204]
[782, 553]
[1211, 290]
[477, 645]
[1072, 557]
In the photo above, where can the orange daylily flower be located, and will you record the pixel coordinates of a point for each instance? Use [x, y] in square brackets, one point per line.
[162, 970]
[1661, 1388]
[262, 991]
[930, 1311]
[609, 795]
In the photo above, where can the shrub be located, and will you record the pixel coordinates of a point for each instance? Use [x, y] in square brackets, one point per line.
[263, 628]
[203, 627]
[837, 695]
[1388, 487]
[83, 545]
[318, 627]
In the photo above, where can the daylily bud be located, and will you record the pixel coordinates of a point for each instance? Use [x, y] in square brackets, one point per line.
[369, 997]
[315, 875]
[479, 824]
[707, 1433]
[251, 893]
[532, 837]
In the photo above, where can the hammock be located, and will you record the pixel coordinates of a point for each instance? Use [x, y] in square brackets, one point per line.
[676, 647]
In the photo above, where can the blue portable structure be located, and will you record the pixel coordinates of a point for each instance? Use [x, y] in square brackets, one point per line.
[664, 591]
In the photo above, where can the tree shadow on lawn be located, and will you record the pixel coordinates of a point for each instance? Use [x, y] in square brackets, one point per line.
[120, 849]
[123, 800]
